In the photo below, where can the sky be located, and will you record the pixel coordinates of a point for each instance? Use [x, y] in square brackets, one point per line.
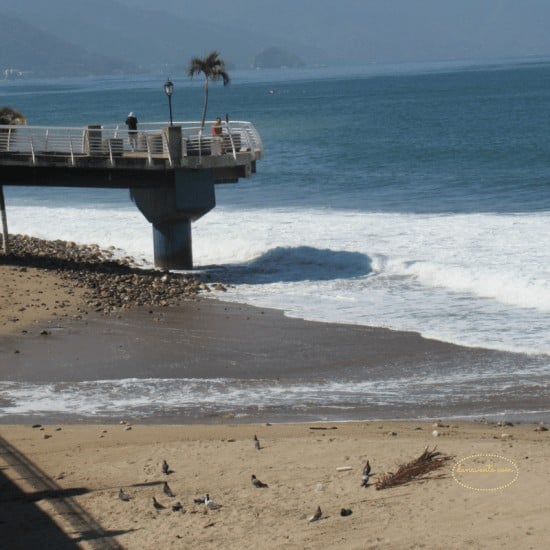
[346, 32]
[385, 30]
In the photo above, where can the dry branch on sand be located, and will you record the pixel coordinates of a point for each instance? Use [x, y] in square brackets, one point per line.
[414, 470]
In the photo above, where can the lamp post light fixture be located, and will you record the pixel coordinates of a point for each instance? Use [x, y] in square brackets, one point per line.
[169, 90]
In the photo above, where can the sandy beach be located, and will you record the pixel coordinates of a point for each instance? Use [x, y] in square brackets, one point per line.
[64, 479]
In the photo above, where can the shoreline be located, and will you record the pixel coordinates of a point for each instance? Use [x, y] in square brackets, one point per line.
[237, 348]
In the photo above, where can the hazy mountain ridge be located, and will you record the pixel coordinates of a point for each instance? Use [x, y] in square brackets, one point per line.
[145, 39]
[137, 35]
[33, 51]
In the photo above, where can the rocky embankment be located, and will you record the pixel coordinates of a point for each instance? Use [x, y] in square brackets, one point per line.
[109, 283]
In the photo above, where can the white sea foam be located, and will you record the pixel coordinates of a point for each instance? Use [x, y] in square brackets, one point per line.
[473, 279]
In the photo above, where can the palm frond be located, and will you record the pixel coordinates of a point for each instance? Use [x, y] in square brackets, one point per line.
[414, 470]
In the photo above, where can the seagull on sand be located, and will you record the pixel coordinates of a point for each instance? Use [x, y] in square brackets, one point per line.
[158, 505]
[123, 496]
[256, 442]
[167, 490]
[210, 503]
[257, 483]
[366, 475]
[165, 468]
[317, 516]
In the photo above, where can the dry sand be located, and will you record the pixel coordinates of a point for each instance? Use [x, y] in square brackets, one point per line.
[87, 465]
[60, 483]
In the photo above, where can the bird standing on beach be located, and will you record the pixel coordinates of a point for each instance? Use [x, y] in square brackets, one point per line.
[157, 505]
[199, 500]
[167, 490]
[257, 483]
[317, 516]
[366, 475]
[165, 468]
[210, 503]
[256, 442]
[177, 507]
[123, 496]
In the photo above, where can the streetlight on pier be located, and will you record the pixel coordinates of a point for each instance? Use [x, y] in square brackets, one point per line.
[169, 90]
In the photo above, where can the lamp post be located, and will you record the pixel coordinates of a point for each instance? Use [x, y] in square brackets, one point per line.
[169, 90]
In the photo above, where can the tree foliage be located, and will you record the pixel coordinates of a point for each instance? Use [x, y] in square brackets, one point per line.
[213, 68]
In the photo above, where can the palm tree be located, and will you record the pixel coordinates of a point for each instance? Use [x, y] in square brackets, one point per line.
[213, 68]
[8, 115]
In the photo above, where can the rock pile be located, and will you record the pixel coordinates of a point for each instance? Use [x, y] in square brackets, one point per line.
[110, 283]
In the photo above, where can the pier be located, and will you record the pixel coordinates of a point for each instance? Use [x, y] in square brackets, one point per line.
[170, 170]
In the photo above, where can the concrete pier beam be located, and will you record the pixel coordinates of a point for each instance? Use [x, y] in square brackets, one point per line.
[171, 209]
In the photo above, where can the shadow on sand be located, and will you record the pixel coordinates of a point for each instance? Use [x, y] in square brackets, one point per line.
[23, 524]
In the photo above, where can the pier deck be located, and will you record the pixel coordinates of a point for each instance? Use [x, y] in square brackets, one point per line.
[170, 171]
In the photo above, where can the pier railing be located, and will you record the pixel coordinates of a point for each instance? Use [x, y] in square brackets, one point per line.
[112, 141]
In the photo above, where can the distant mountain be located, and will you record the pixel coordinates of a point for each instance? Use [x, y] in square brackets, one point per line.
[30, 50]
[151, 40]
[274, 58]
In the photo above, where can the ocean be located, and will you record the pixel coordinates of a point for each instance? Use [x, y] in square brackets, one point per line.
[414, 197]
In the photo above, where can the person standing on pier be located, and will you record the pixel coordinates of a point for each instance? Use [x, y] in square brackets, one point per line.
[132, 122]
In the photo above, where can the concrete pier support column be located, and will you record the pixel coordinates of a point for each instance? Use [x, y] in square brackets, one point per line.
[173, 244]
[5, 245]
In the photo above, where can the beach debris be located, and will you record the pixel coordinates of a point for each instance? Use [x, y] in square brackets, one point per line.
[344, 468]
[392, 433]
[317, 515]
[157, 505]
[506, 436]
[165, 468]
[122, 422]
[211, 504]
[44, 332]
[323, 428]
[123, 496]
[505, 423]
[257, 483]
[36, 426]
[366, 475]
[177, 507]
[47, 436]
[439, 424]
[344, 512]
[256, 442]
[167, 490]
[127, 428]
[435, 433]
[319, 487]
[414, 470]
[541, 428]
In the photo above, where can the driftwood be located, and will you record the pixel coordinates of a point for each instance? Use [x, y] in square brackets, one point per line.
[414, 470]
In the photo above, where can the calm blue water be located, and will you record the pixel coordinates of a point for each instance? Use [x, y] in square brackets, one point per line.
[415, 197]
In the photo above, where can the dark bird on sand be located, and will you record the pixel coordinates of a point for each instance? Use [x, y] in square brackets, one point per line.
[123, 496]
[158, 505]
[256, 442]
[257, 483]
[167, 490]
[165, 468]
[199, 500]
[345, 512]
[177, 507]
[366, 475]
[317, 516]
